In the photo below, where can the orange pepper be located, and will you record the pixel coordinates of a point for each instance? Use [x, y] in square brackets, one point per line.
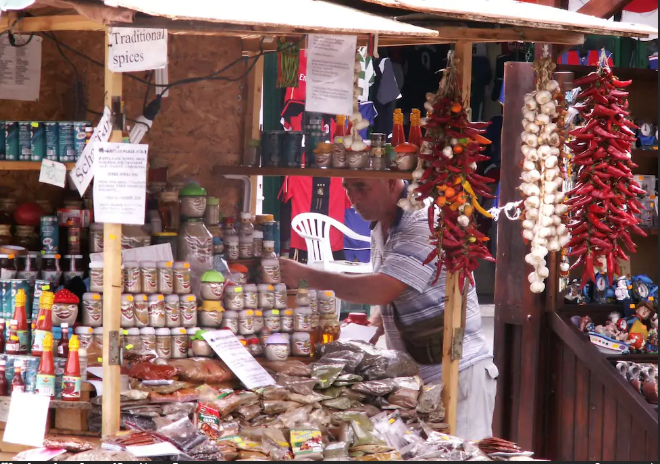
[468, 210]
[441, 201]
[450, 192]
[458, 149]
[441, 188]
[461, 198]
[458, 180]
[456, 107]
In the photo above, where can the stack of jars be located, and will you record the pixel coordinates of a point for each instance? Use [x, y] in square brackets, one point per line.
[34, 265]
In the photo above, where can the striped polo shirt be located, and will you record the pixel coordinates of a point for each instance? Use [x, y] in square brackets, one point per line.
[402, 257]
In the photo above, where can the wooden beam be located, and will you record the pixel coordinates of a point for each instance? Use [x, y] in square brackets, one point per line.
[604, 8]
[111, 280]
[501, 34]
[51, 23]
[253, 121]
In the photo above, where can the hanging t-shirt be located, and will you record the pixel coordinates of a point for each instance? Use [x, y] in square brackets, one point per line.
[294, 98]
[323, 195]
[367, 75]
[357, 250]
[368, 112]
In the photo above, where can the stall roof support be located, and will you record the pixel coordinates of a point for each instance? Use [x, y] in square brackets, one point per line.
[604, 8]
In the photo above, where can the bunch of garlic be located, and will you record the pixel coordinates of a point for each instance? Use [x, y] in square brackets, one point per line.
[354, 141]
[542, 182]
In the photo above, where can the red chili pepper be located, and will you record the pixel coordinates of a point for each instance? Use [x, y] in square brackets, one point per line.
[618, 94]
[602, 132]
[636, 190]
[620, 253]
[578, 251]
[615, 172]
[588, 79]
[600, 243]
[584, 136]
[597, 209]
[576, 263]
[597, 223]
[617, 83]
[616, 153]
[637, 230]
[600, 110]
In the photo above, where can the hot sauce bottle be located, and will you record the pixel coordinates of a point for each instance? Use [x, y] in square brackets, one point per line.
[72, 381]
[340, 129]
[4, 391]
[63, 347]
[17, 383]
[46, 374]
[22, 328]
[398, 135]
[13, 345]
[415, 136]
[44, 323]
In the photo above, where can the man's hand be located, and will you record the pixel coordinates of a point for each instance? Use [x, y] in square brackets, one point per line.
[293, 272]
[379, 333]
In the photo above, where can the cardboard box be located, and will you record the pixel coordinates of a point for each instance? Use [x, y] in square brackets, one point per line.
[647, 182]
[79, 217]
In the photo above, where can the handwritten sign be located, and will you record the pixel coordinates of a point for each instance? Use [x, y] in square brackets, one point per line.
[120, 185]
[136, 49]
[26, 424]
[330, 73]
[238, 359]
[83, 173]
[20, 67]
[53, 173]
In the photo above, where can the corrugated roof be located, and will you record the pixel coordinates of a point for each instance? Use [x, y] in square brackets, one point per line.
[305, 15]
[519, 14]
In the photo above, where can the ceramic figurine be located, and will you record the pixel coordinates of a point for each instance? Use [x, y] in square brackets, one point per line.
[65, 308]
[621, 290]
[649, 377]
[586, 324]
[622, 367]
[633, 373]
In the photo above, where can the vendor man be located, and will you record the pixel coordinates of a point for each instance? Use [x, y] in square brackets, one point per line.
[411, 308]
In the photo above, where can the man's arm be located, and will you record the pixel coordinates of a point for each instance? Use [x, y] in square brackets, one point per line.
[373, 289]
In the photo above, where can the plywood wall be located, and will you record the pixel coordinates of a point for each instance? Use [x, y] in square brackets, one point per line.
[199, 125]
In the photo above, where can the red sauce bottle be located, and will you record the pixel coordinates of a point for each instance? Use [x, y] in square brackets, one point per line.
[4, 391]
[72, 381]
[44, 323]
[22, 328]
[46, 373]
[340, 129]
[415, 136]
[63, 347]
[13, 345]
[17, 383]
[398, 135]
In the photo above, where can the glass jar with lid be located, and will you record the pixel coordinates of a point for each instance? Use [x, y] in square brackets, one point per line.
[212, 285]
[230, 321]
[181, 274]
[246, 322]
[156, 305]
[216, 233]
[5, 234]
[210, 314]
[212, 213]
[302, 297]
[165, 277]
[127, 311]
[234, 299]
[266, 296]
[148, 339]
[250, 296]
[272, 320]
[302, 319]
[188, 309]
[270, 265]
[172, 311]
[228, 227]
[166, 238]
[27, 266]
[232, 247]
[168, 208]
[179, 343]
[192, 201]
[8, 268]
[141, 310]
[280, 295]
[72, 267]
[132, 281]
[96, 238]
[27, 238]
[164, 343]
[247, 228]
[195, 246]
[51, 269]
[92, 310]
[258, 320]
[96, 276]
[132, 341]
[149, 277]
[286, 321]
[252, 153]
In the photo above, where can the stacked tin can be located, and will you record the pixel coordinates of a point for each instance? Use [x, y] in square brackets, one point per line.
[62, 141]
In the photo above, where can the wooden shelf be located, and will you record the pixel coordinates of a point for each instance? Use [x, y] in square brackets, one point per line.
[622, 73]
[650, 230]
[646, 153]
[313, 172]
[644, 358]
[26, 166]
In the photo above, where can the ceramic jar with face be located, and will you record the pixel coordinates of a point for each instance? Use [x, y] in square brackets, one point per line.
[92, 310]
[148, 338]
[232, 246]
[277, 348]
[132, 281]
[210, 314]
[301, 344]
[201, 348]
[182, 278]
[302, 297]
[266, 297]
[190, 333]
[164, 343]
[172, 311]
[250, 296]
[246, 322]
[149, 277]
[339, 156]
[323, 155]
[179, 343]
[156, 305]
[286, 321]
[272, 320]
[131, 340]
[141, 310]
[230, 321]
[165, 277]
[358, 159]
[192, 201]
[327, 302]
[212, 285]
[302, 319]
[97, 339]
[313, 301]
[127, 311]
[188, 310]
[280, 296]
[96, 276]
[254, 347]
[65, 308]
[234, 299]
[84, 336]
[258, 320]
[270, 264]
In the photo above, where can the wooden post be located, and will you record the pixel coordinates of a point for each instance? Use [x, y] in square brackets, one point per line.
[455, 302]
[253, 119]
[111, 278]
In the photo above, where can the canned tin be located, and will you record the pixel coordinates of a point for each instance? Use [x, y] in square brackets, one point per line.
[37, 141]
[24, 140]
[52, 141]
[293, 150]
[272, 233]
[50, 234]
[11, 140]
[272, 146]
[80, 136]
[66, 141]
[2, 140]
[5, 297]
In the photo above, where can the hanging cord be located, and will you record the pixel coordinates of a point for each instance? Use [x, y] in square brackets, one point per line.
[511, 211]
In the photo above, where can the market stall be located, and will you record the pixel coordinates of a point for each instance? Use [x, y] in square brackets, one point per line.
[250, 28]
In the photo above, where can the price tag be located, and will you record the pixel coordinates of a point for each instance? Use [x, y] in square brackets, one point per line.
[26, 424]
[53, 173]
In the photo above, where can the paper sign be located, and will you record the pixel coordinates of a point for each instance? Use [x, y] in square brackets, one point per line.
[120, 182]
[157, 449]
[238, 359]
[162, 252]
[20, 68]
[83, 172]
[136, 49]
[330, 73]
[357, 332]
[53, 173]
[38, 454]
[26, 424]
[4, 409]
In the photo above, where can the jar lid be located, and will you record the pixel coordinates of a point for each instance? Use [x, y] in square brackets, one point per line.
[96, 265]
[253, 341]
[258, 313]
[91, 296]
[250, 287]
[265, 288]
[131, 264]
[172, 298]
[272, 312]
[46, 256]
[65, 296]
[247, 312]
[280, 287]
[238, 267]
[276, 339]
[164, 264]
[228, 220]
[299, 335]
[156, 297]
[165, 234]
[147, 331]
[163, 331]
[288, 312]
[82, 330]
[212, 276]
[181, 265]
[127, 298]
[97, 331]
[230, 314]
[192, 190]
[192, 330]
[209, 305]
[246, 215]
[212, 201]
[178, 331]
[147, 264]
[233, 289]
[264, 218]
[187, 298]
[257, 234]
[133, 331]
[269, 243]
[140, 296]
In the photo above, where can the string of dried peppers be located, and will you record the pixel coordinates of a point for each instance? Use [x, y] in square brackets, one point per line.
[604, 201]
[448, 159]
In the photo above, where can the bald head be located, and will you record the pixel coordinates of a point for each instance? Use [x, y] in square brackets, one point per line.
[374, 199]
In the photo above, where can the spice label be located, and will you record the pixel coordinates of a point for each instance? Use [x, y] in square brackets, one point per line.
[45, 385]
[208, 421]
[306, 442]
[38, 341]
[23, 340]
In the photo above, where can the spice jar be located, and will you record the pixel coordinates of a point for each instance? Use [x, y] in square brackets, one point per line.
[302, 297]
[188, 309]
[141, 310]
[232, 247]
[258, 320]
[258, 242]
[127, 311]
[164, 343]
[250, 296]
[190, 333]
[301, 344]
[228, 227]
[358, 159]
[132, 340]
[192, 201]
[132, 281]
[168, 209]
[97, 340]
[181, 277]
[166, 238]
[65, 308]
[272, 320]
[280, 296]
[172, 311]
[156, 305]
[286, 321]
[210, 314]
[73, 267]
[201, 347]
[27, 266]
[254, 347]
[323, 155]
[96, 276]
[264, 334]
[149, 277]
[234, 299]
[148, 338]
[179, 343]
[96, 238]
[246, 322]
[230, 321]
[50, 269]
[212, 285]
[266, 296]
[84, 336]
[339, 156]
[26, 237]
[165, 277]
[270, 265]
[302, 319]
[313, 301]
[277, 348]
[92, 310]
[238, 274]
[212, 213]
[327, 304]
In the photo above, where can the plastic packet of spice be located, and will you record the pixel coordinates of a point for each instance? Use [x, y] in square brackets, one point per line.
[305, 399]
[350, 359]
[335, 452]
[132, 422]
[430, 399]
[249, 412]
[413, 383]
[296, 417]
[320, 418]
[278, 407]
[326, 374]
[290, 367]
[183, 434]
[173, 408]
[301, 385]
[346, 380]
[363, 430]
[341, 403]
[331, 393]
[71, 444]
[307, 444]
[375, 387]
[353, 395]
[207, 420]
[404, 397]
[274, 392]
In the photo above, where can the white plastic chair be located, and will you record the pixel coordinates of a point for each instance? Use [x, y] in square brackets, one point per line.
[315, 229]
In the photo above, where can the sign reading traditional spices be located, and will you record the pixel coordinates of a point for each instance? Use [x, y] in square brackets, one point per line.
[136, 49]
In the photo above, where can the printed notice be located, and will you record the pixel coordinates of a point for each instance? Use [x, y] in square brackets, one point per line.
[53, 173]
[330, 73]
[20, 68]
[26, 424]
[120, 182]
[83, 171]
[238, 359]
[134, 49]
